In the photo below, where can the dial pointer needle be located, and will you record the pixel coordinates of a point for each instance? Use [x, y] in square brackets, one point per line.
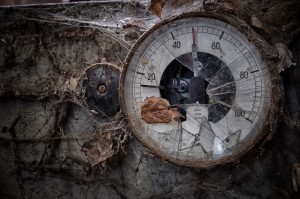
[197, 65]
[197, 84]
[194, 53]
[164, 87]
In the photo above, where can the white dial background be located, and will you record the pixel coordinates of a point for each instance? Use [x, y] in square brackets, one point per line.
[197, 139]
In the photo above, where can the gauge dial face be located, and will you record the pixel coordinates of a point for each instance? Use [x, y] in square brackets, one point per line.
[209, 71]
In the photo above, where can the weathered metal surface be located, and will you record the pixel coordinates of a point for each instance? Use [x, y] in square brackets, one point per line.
[44, 121]
[100, 89]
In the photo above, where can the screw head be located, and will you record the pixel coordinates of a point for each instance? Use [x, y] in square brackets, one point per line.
[102, 89]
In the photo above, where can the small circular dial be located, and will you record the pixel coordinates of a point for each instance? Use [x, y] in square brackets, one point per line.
[213, 75]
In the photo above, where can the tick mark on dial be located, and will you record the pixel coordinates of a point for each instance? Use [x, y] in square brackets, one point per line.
[254, 71]
[221, 35]
[172, 36]
[249, 120]
[140, 73]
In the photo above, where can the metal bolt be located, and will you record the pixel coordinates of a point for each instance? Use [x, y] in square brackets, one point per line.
[102, 89]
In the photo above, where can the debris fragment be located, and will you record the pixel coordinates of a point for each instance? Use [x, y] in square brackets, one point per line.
[296, 177]
[156, 7]
[218, 7]
[73, 83]
[256, 22]
[100, 147]
[285, 57]
[157, 110]
[135, 24]
[94, 112]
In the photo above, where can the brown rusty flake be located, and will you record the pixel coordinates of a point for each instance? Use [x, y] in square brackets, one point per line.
[157, 110]
[99, 148]
[156, 7]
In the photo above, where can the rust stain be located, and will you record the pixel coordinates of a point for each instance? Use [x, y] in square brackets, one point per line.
[145, 61]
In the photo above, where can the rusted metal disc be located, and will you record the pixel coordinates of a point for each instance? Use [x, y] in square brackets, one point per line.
[100, 87]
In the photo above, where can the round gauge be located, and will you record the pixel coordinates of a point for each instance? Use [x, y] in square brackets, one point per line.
[210, 73]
